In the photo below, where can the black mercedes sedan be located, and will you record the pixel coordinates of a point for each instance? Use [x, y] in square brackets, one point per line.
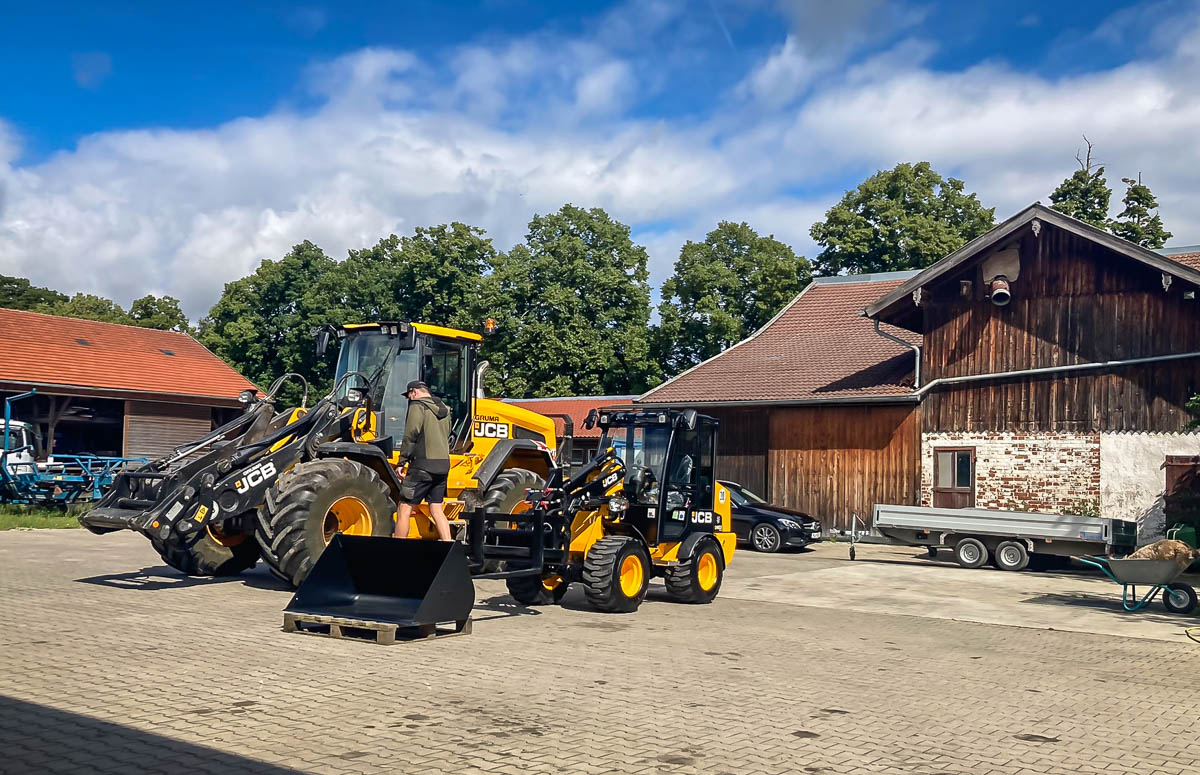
[769, 528]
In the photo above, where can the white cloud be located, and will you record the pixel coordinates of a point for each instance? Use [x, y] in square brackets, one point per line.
[492, 134]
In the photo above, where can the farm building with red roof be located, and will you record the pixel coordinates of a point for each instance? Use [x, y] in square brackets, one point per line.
[112, 389]
[1044, 366]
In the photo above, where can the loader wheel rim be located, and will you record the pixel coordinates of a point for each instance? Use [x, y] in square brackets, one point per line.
[706, 571]
[347, 515]
[632, 575]
[221, 539]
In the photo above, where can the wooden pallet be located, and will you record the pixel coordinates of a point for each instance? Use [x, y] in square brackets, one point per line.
[383, 633]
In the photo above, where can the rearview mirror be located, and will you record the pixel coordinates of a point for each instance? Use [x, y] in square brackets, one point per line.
[592, 417]
[322, 340]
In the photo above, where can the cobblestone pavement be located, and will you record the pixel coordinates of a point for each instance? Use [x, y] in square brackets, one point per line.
[109, 662]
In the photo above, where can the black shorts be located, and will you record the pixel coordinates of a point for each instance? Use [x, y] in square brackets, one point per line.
[421, 485]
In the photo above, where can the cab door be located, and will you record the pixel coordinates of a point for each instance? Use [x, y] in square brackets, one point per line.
[688, 484]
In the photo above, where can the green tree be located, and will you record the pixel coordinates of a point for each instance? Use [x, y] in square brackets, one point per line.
[160, 312]
[19, 293]
[433, 276]
[263, 324]
[904, 218]
[89, 307]
[573, 303]
[1085, 195]
[722, 290]
[1135, 223]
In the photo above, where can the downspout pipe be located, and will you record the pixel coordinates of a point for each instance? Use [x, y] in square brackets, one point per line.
[916, 348]
[1051, 369]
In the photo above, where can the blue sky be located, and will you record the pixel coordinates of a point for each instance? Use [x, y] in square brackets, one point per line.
[167, 148]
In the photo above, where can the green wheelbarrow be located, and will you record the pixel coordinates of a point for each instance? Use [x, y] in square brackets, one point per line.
[1159, 575]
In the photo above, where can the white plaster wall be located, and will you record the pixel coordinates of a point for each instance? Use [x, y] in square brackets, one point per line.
[1132, 478]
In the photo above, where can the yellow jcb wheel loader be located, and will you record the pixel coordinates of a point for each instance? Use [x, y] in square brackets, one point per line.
[278, 485]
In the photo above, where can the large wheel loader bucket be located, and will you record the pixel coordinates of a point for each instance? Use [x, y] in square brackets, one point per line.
[384, 584]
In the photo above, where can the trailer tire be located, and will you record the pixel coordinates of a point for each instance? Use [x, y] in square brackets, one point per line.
[616, 574]
[698, 578]
[205, 556]
[1179, 598]
[1011, 555]
[970, 553]
[312, 501]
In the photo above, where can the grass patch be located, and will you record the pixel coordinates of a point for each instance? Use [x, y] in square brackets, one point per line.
[12, 517]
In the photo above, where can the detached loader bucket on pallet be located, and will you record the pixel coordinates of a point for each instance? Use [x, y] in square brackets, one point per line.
[364, 586]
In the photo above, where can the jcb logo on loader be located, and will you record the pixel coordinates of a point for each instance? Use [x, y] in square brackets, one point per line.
[255, 476]
[702, 518]
[491, 430]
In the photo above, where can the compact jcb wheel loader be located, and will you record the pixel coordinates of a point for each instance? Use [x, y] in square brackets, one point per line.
[649, 505]
[278, 485]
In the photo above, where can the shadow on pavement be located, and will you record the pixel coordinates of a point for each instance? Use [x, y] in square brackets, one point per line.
[39, 739]
[1153, 611]
[165, 577]
[504, 607]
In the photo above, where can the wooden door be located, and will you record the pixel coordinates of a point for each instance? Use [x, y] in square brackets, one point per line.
[954, 477]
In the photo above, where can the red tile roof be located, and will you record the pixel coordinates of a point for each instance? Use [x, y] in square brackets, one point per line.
[818, 348]
[51, 350]
[577, 407]
[1187, 259]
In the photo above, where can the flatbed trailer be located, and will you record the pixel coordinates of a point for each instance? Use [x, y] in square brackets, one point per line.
[1009, 538]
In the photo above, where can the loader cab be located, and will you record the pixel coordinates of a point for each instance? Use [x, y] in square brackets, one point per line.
[669, 459]
[393, 354]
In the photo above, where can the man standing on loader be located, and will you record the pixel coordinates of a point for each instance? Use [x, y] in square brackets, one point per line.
[426, 449]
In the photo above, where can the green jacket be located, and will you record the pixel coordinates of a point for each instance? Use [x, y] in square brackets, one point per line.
[426, 443]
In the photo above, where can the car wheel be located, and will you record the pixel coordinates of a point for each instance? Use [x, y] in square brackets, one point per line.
[970, 553]
[765, 538]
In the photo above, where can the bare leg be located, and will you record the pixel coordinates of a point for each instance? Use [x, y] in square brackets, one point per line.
[439, 519]
[402, 515]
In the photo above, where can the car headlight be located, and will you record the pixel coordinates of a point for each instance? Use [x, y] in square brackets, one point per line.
[790, 524]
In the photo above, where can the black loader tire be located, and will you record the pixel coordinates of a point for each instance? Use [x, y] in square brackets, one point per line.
[206, 557]
[602, 574]
[529, 590]
[686, 582]
[293, 524]
[505, 494]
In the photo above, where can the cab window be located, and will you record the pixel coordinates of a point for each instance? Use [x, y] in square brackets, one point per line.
[445, 369]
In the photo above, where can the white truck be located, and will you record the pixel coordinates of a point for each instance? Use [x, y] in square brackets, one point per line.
[24, 445]
[1009, 538]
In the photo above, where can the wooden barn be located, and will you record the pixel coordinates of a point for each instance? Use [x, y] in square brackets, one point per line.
[1044, 366]
[111, 389]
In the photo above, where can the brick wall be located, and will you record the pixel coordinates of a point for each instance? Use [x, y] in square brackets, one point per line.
[1054, 473]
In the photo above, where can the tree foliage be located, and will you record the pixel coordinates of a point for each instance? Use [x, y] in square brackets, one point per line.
[19, 293]
[573, 303]
[1136, 223]
[1085, 195]
[89, 307]
[723, 289]
[161, 312]
[904, 218]
[263, 324]
[435, 275]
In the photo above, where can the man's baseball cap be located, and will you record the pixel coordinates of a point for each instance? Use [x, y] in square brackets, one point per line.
[416, 384]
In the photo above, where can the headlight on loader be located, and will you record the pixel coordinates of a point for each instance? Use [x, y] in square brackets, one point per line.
[618, 505]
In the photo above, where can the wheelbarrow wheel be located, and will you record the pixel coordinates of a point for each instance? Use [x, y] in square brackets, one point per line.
[1179, 598]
